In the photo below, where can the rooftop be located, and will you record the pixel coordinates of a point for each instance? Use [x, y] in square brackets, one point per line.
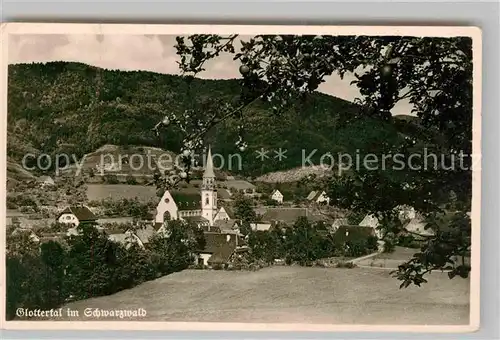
[81, 212]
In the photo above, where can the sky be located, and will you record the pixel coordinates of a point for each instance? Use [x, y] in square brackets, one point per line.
[154, 53]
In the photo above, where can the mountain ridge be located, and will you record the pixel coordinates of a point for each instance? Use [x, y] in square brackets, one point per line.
[74, 108]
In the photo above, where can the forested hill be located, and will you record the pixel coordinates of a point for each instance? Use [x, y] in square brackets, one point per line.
[76, 108]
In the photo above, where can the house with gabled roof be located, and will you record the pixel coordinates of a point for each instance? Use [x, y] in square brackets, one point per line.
[225, 213]
[46, 181]
[372, 222]
[227, 226]
[219, 247]
[350, 233]
[319, 197]
[74, 215]
[277, 196]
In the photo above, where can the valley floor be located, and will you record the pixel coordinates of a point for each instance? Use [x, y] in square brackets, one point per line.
[292, 295]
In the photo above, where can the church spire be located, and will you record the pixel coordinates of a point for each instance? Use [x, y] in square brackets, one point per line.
[209, 166]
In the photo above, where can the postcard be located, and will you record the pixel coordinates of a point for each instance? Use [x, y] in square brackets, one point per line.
[225, 177]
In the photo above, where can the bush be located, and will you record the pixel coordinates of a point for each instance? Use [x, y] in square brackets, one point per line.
[111, 179]
[389, 246]
[217, 266]
[131, 180]
[11, 205]
[345, 265]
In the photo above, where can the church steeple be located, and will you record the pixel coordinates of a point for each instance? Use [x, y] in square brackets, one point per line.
[208, 190]
[209, 167]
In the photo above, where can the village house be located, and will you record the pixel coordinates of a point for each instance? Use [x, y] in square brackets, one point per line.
[277, 196]
[372, 222]
[338, 223]
[226, 226]
[262, 226]
[46, 181]
[241, 186]
[75, 215]
[219, 248]
[405, 213]
[352, 233]
[31, 234]
[289, 216]
[318, 197]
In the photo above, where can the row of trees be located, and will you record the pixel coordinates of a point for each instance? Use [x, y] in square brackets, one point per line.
[90, 265]
[304, 243]
[124, 207]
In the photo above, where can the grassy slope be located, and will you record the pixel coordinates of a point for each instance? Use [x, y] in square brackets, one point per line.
[294, 294]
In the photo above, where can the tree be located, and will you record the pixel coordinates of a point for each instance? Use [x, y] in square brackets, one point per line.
[174, 249]
[243, 210]
[90, 264]
[303, 244]
[53, 256]
[433, 74]
[263, 245]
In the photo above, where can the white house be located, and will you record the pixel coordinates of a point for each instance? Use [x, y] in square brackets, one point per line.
[405, 212]
[277, 196]
[46, 181]
[224, 214]
[338, 223]
[262, 226]
[319, 197]
[373, 222]
[75, 215]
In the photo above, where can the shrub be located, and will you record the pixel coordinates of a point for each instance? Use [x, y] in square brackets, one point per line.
[11, 205]
[345, 265]
[217, 266]
[111, 179]
[131, 180]
[389, 246]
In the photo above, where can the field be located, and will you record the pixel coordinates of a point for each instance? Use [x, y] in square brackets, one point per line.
[97, 192]
[293, 294]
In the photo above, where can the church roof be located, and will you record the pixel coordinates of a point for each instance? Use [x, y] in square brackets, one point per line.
[196, 219]
[209, 166]
[187, 201]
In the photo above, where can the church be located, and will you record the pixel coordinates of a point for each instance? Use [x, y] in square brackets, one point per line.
[199, 208]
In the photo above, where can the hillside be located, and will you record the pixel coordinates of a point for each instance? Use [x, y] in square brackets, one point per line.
[63, 107]
[140, 161]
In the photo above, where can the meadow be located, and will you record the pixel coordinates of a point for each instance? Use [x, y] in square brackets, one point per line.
[293, 294]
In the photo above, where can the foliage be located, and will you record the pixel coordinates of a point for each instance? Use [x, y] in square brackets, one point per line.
[89, 265]
[174, 250]
[433, 74]
[303, 243]
[124, 207]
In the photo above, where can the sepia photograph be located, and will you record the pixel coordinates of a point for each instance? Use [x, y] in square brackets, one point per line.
[240, 177]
